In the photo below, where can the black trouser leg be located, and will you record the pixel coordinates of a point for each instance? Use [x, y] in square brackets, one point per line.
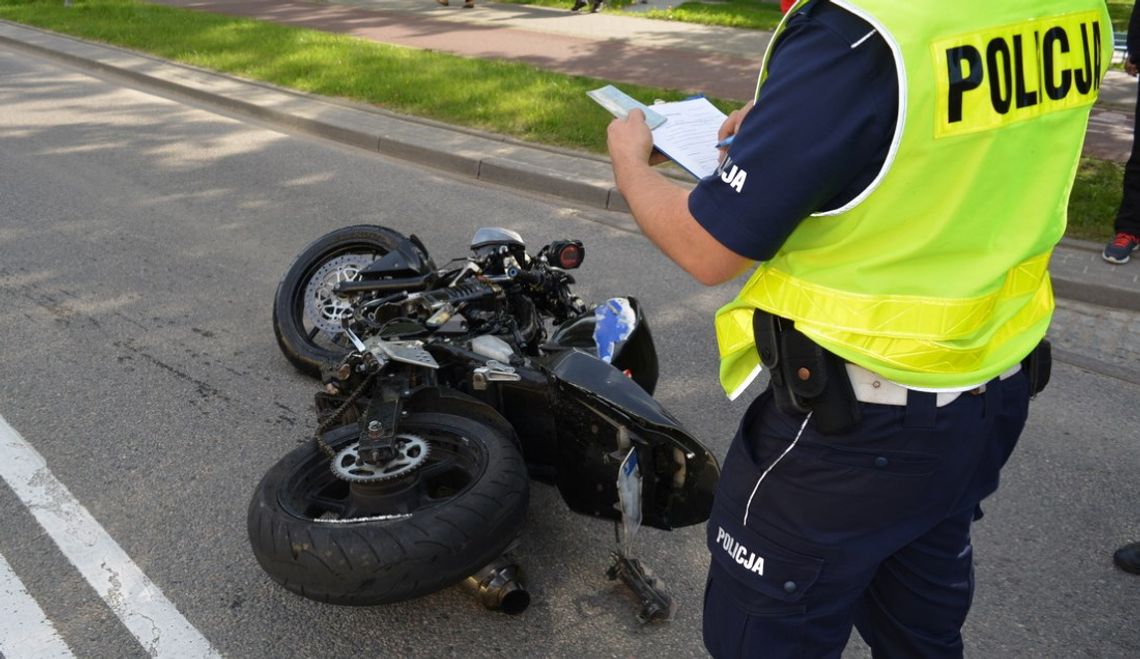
[1128, 217]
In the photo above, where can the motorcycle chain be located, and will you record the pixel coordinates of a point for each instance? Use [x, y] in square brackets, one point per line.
[335, 416]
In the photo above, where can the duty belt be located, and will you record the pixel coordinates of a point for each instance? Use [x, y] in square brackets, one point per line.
[807, 378]
[870, 387]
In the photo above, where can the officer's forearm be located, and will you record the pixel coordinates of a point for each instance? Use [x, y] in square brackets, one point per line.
[661, 209]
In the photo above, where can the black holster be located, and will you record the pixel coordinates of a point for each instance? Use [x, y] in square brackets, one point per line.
[1038, 366]
[805, 377]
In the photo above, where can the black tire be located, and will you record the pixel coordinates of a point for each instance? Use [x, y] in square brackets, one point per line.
[304, 343]
[472, 489]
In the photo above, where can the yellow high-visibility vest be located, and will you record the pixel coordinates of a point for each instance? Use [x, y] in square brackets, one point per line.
[936, 274]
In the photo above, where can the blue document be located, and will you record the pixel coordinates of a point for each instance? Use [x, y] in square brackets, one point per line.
[619, 104]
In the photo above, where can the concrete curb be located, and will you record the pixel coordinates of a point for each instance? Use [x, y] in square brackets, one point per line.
[1079, 273]
[1077, 270]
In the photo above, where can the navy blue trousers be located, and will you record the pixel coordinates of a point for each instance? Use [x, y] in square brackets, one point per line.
[868, 528]
[1128, 216]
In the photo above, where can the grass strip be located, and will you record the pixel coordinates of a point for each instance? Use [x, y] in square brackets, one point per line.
[1120, 10]
[1095, 199]
[503, 97]
[749, 14]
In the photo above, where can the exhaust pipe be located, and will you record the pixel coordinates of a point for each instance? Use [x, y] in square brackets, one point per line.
[498, 588]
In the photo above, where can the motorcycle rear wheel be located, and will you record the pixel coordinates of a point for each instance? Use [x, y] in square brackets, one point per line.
[304, 343]
[332, 541]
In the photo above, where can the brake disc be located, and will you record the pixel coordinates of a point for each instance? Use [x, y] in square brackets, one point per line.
[323, 307]
[411, 452]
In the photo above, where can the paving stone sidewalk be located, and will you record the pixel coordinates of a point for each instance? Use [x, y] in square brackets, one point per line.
[717, 62]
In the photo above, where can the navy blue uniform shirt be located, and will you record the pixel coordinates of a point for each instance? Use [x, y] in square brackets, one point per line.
[815, 140]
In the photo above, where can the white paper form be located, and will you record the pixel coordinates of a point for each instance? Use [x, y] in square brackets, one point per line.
[688, 135]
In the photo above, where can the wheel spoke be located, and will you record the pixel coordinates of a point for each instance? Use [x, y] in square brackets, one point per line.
[427, 471]
[351, 511]
[337, 505]
[326, 498]
[437, 469]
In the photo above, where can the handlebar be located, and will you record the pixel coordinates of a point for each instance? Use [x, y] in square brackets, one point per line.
[440, 294]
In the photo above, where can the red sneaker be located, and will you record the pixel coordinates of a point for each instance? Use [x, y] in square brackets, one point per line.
[1121, 248]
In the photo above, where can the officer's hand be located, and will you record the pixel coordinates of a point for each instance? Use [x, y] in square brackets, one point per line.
[731, 126]
[1130, 67]
[630, 141]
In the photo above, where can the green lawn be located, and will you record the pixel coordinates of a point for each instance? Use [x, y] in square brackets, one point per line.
[1095, 199]
[730, 13]
[1120, 10]
[496, 96]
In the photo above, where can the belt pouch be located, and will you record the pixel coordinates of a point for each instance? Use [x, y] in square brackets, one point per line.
[818, 379]
[766, 332]
[1038, 366]
[805, 377]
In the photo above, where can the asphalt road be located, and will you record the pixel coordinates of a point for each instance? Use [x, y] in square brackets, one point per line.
[140, 244]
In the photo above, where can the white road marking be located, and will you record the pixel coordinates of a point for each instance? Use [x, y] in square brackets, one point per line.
[134, 598]
[25, 630]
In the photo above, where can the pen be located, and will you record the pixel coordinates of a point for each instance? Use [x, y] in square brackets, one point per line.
[725, 142]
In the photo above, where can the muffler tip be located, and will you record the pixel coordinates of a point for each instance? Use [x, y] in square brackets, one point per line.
[515, 601]
[498, 588]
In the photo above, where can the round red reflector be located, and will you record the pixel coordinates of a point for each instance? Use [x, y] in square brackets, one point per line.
[570, 257]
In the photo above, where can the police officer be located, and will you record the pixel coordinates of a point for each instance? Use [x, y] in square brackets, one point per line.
[902, 177]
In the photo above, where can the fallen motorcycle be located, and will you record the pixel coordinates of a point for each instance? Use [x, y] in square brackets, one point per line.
[445, 390]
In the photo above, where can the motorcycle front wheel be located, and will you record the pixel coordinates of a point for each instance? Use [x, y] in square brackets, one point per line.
[307, 314]
[427, 528]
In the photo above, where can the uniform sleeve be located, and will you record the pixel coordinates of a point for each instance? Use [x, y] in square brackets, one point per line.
[815, 139]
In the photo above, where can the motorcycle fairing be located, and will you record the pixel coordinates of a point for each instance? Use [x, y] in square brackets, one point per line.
[614, 323]
[634, 352]
[604, 413]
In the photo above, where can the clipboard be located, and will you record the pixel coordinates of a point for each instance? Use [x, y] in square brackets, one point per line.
[685, 131]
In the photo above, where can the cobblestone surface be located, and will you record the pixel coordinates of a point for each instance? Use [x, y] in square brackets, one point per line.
[1097, 338]
[1110, 135]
